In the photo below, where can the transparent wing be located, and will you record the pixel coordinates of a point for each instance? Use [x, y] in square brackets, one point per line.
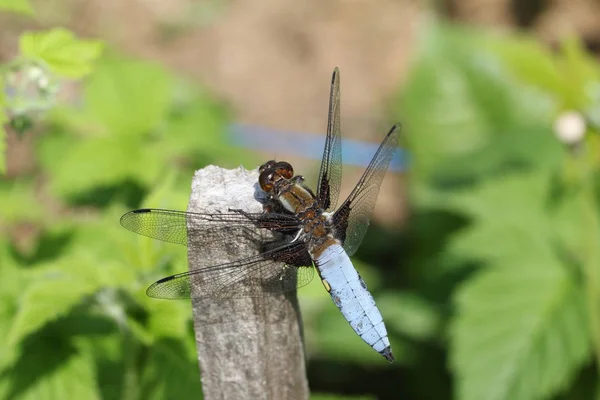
[330, 175]
[277, 270]
[274, 271]
[173, 226]
[351, 220]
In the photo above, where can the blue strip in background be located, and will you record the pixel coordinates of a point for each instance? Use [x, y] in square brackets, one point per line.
[355, 152]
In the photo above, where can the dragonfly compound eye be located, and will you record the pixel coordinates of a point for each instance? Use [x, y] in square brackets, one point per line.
[284, 169]
[268, 164]
[265, 180]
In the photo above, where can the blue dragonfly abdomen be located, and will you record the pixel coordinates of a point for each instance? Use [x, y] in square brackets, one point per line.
[349, 292]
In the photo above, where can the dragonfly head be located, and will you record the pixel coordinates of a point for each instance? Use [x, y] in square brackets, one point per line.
[271, 172]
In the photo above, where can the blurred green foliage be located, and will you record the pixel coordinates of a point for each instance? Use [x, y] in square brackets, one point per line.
[63, 54]
[506, 216]
[494, 293]
[17, 6]
[76, 322]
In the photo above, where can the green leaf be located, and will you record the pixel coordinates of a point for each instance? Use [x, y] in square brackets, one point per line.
[18, 202]
[127, 258]
[59, 285]
[530, 60]
[170, 373]
[101, 162]
[12, 280]
[484, 242]
[61, 51]
[567, 75]
[3, 120]
[2, 91]
[516, 198]
[121, 264]
[469, 115]
[568, 223]
[581, 71]
[521, 332]
[128, 97]
[50, 368]
[194, 111]
[509, 214]
[410, 314]
[168, 318]
[165, 193]
[16, 6]
[522, 147]
[437, 103]
[46, 300]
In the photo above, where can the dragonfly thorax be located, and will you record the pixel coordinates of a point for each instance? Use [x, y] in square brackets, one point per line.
[277, 180]
[294, 197]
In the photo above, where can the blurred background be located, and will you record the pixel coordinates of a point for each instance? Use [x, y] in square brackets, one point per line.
[484, 250]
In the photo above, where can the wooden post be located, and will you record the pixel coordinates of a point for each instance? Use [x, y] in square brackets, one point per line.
[248, 348]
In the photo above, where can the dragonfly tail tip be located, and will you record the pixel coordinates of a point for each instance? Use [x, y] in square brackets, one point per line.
[387, 353]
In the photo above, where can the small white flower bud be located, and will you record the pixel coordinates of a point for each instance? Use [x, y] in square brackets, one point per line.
[34, 72]
[570, 127]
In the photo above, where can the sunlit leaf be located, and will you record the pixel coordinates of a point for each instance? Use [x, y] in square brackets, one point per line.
[567, 223]
[16, 6]
[511, 198]
[166, 195]
[101, 162]
[12, 280]
[128, 97]
[168, 318]
[46, 300]
[61, 284]
[485, 242]
[3, 120]
[438, 104]
[467, 111]
[18, 202]
[521, 332]
[531, 61]
[580, 71]
[509, 215]
[61, 51]
[123, 263]
[198, 123]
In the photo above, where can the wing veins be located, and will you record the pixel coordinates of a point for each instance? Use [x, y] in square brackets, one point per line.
[221, 281]
[353, 216]
[330, 174]
[173, 226]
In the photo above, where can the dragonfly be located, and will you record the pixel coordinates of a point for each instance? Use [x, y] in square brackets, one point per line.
[310, 232]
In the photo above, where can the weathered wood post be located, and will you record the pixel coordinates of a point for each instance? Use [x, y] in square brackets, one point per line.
[248, 348]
